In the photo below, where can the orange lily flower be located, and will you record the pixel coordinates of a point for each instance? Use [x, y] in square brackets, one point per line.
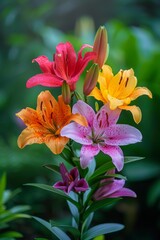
[119, 90]
[45, 123]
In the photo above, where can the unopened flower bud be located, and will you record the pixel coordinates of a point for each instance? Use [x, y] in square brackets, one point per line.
[91, 79]
[66, 93]
[100, 46]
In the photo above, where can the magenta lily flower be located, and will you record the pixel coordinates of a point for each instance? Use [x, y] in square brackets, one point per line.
[66, 66]
[71, 181]
[101, 134]
[113, 188]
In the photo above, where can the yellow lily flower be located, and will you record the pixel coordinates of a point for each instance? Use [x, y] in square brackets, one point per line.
[45, 123]
[119, 90]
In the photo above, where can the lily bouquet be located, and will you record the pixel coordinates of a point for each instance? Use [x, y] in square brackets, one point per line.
[80, 124]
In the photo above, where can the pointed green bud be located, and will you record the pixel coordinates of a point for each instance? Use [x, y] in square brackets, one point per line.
[91, 79]
[66, 93]
[100, 46]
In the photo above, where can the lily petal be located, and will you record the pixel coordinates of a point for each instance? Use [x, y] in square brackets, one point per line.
[81, 185]
[44, 79]
[83, 61]
[113, 116]
[114, 102]
[96, 93]
[65, 58]
[45, 65]
[29, 116]
[124, 192]
[56, 144]
[136, 112]
[87, 154]
[109, 189]
[116, 154]
[60, 186]
[76, 132]
[122, 134]
[29, 136]
[74, 173]
[85, 110]
[140, 91]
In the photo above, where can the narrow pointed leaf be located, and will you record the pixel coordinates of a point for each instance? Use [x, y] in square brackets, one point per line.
[91, 169]
[74, 211]
[10, 234]
[88, 221]
[100, 229]
[54, 190]
[74, 231]
[52, 167]
[5, 218]
[101, 170]
[2, 187]
[99, 204]
[8, 195]
[20, 208]
[111, 176]
[61, 235]
[129, 159]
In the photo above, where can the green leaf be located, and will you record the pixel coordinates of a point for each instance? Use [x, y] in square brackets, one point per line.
[67, 155]
[74, 211]
[55, 191]
[101, 170]
[8, 217]
[129, 159]
[2, 187]
[52, 167]
[55, 230]
[10, 234]
[67, 228]
[20, 208]
[91, 169]
[8, 194]
[101, 229]
[99, 204]
[87, 221]
[111, 176]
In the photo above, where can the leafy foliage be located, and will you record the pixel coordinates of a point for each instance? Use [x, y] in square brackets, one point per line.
[8, 215]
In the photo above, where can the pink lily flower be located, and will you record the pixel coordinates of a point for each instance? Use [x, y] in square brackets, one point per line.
[113, 188]
[101, 134]
[71, 181]
[66, 66]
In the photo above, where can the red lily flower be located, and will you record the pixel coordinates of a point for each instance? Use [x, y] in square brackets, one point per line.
[65, 67]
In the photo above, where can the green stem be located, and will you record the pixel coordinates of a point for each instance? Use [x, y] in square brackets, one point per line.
[81, 213]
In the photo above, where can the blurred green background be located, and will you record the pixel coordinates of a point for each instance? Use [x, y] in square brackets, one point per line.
[30, 28]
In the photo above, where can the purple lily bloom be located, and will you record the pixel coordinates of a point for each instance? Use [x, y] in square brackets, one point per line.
[71, 181]
[101, 134]
[113, 188]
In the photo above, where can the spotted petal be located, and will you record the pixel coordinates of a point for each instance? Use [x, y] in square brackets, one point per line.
[87, 154]
[76, 132]
[122, 134]
[116, 154]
